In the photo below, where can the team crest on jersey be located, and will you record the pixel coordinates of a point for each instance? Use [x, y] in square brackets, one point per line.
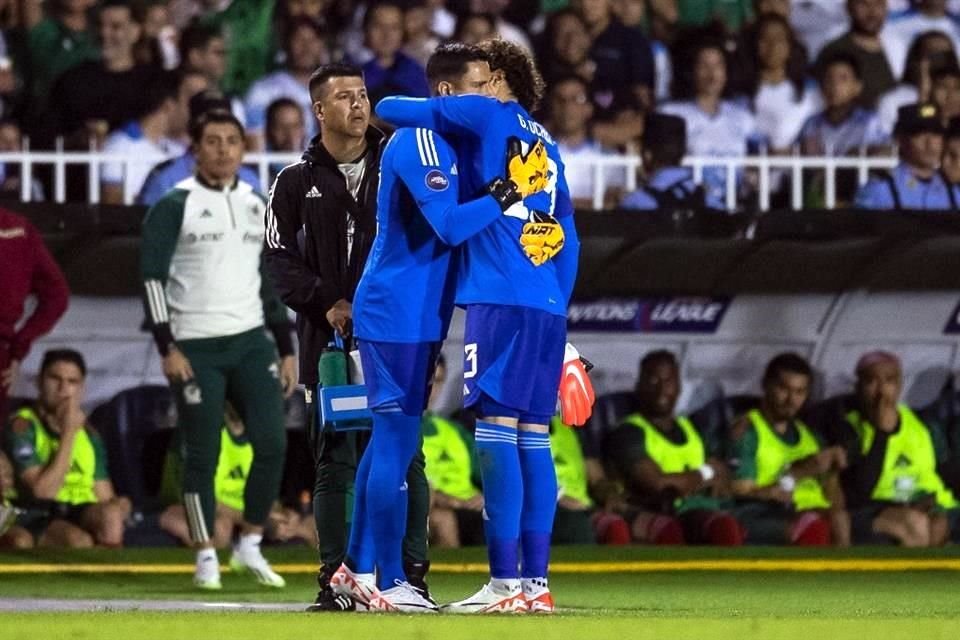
[436, 180]
[191, 393]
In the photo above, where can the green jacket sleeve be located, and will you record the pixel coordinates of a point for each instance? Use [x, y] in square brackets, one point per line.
[161, 229]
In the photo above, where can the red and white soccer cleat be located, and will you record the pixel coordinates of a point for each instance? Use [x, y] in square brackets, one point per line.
[404, 598]
[492, 598]
[362, 587]
[538, 597]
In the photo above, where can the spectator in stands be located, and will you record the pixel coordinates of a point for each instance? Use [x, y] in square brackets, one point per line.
[305, 51]
[785, 481]
[669, 185]
[624, 76]
[715, 126]
[930, 51]
[892, 487]
[570, 113]
[782, 96]
[286, 131]
[142, 141]
[57, 43]
[565, 47]
[27, 270]
[167, 174]
[730, 13]
[208, 309]
[203, 49]
[391, 71]
[945, 92]
[673, 476]
[418, 31]
[453, 472]
[12, 534]
[11, 141]
[950, 165]
[843, 127]
[61, 463]
[873, 54]
[504, 29]
[474, 27]
[250, 26]
[633, 14]
[925, 16]
[77, 102]
[158, 45]
[915, 183]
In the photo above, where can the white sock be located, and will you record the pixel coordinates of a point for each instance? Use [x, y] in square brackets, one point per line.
[205, 555]
[534, 584]
[505, 584]
[250, 541]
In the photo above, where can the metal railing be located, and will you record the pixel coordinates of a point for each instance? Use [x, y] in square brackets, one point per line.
[766, 167]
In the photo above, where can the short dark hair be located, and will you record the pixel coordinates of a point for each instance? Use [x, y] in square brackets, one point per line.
[786, 363]
[449, 61]
[841, 57]
[333, 70]
[658, 356]
[165, 86]
[519, 71]
[280, 103]
[215, 116]
[53, 356]
[368, 14]
[137, 9]
[301, 22]
[196, 35]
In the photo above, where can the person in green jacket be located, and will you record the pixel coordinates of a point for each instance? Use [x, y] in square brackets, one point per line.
[61, 464]
[892, 485]
[785, 481]
[456, 502]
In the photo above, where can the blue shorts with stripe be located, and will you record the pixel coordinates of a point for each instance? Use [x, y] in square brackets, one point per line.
[398, 374]
[513, 357]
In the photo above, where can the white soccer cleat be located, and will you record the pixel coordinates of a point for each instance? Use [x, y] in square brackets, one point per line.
[207, 573]
[403, 598]
[492, 598]
[247, 558]
[362, 587]
[537, 594]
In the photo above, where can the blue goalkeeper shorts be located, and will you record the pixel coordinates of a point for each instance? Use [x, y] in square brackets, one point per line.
[398, 374]
[513, 357]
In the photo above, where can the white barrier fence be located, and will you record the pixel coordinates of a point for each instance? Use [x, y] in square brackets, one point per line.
[766, 168]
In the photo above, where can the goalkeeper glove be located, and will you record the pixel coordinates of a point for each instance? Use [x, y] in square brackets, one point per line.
[504, 192]
[575, 395]
[541, 238]
[528, 172]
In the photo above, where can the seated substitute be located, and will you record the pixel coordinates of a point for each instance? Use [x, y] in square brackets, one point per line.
[456, 502]
[61, 463]
[892, 487]
[675, 481]
[784, 480]
[915, 183]
[12, 534]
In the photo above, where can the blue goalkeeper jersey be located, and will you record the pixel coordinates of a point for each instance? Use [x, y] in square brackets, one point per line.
[406, 292]
[492, 266]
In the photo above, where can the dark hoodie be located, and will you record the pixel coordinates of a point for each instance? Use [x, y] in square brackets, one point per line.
[306, 240]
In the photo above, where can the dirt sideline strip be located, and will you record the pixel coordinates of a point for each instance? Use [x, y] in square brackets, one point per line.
[802, 565]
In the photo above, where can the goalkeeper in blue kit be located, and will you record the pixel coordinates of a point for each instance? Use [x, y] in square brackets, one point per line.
[402, 310]
[514, 278]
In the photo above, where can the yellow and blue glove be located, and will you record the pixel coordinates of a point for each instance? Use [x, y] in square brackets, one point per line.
[529, 171]
[541, 238]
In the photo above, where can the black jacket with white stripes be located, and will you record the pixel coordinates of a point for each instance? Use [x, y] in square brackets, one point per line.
[306, 245]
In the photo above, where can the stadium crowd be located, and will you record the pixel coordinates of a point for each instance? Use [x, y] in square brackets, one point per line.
[826, 78]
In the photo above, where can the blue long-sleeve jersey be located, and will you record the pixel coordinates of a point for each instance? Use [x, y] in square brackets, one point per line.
[492, 267]
[406, 293]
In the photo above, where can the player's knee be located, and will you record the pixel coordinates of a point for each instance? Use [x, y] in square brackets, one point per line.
[918, 527]
[17, 538]
[77, 538]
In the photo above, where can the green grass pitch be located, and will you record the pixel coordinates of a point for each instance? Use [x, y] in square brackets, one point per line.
[738, 602]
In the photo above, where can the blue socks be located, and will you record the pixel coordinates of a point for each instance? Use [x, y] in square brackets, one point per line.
[503, 496]
[360, 551]
[539, 502]
[394, 443]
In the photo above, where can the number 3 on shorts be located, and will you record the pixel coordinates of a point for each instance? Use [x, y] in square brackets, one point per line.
[470, 356]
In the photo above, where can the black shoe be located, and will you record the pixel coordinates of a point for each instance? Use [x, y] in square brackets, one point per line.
[327, 600]
[416, 577]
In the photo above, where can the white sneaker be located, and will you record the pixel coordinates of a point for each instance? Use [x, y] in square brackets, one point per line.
[537, 594]
[501, 596]
[404, 598]
[248, 558]
[207, 574]
[362, 587]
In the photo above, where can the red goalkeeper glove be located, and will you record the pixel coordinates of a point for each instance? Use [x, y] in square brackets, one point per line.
[576, 394]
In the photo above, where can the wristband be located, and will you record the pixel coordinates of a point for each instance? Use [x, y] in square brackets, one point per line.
[787, 482]
[707, 472]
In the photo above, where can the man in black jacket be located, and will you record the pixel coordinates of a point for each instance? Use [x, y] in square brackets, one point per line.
[321, 220]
